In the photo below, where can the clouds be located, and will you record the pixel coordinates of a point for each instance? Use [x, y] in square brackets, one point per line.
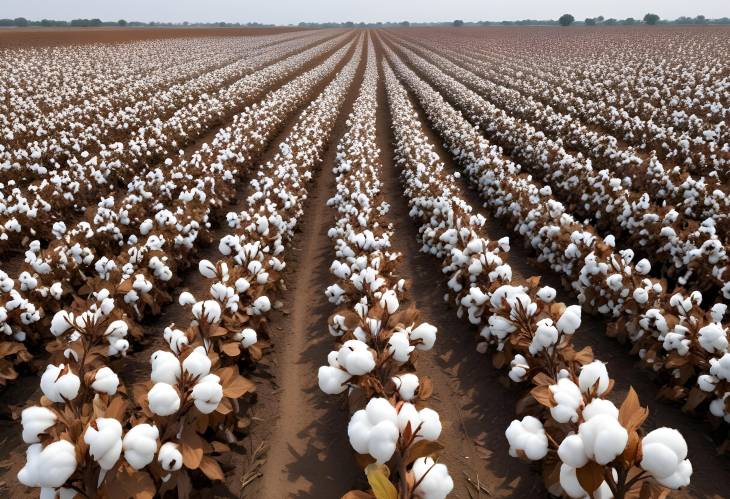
[293, 11]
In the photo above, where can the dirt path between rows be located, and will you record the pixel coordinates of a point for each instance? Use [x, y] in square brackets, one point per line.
[623, 367]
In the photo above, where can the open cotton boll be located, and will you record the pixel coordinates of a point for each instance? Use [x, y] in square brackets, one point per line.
[603, 438]
[498, 326]
[50, 466]
[248, 338]
[208, 393]
[170, 457]
[546, 335]
[572, 451]
[389, 301]
[207, 269]
[105, 381]
[140, 445]
[569, 321]
[593, 373]
[713, 338]
[163, 399]
[399, 347]
[571, 486]
[547, 294]
[261, 305]
[58, 387]
[62, 321]
[527, 436]
[721, 367]
[406, 384]
[568, 398]
[518, 368]
[186, 298]
[36, 420]
[356, 358]
[332, 380]
[197, 363]
[374, 430]
[434, 481]
[641, 295]
[643, 267]
[165, 367]
[426, 333]
[104, 441]
[210, 309]
[600, 406]
[176, 339]
[707, 382]
[718, 311]
[664, 456]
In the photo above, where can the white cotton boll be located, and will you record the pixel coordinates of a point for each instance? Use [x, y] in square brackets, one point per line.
[498, 327]
[207, 269]
[707, 382]
[643, 267]
[374, 430]
[721, 367]
[572, 451]
[49, 467]
[105, 381]
[383, 440]
[36, 420]
[546, 335]
[58, 387]
[713, 338]
[641, 296]
[718, 311]
[568, 398]
[242, 285]
[569, 322]
[430, 424]
[603, 437]
[434, 481]
[207, 393]
[261, 305]
[332, 380]
[615, 282]
[197, 363]
[408, 414]
[528, 436]
[163, 399]
[664, 456]
[356, 358]
[176, 339]
[571, 486]
[165, 367]
[56, 290]
[210, 309]
[406, 384]
[117, 329]
[518, 368]
[546, 294]
[399, 347]
[426, 333]
[389, 301]
[140, 445]
[170, 457]
[104, 441]
[248, 338]
[590, 374]
[186, 298]
[600, 406]
[61, 322]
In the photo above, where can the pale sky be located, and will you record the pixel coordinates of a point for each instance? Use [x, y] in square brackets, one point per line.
[293, 11]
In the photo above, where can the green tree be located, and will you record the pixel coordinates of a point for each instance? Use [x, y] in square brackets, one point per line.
[21, 22]
[651, 19]
[629, 21]
[458, 23]
[122, 22]
[590, 21]
[566, 20]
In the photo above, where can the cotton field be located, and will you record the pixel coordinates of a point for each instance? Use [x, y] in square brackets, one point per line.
[390, 264]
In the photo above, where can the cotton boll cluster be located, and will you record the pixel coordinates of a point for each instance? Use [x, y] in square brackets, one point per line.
[374, 430]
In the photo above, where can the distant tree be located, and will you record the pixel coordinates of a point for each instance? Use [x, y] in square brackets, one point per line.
[599, 19]
[21, 22]
[404, 24]
[458, 23]
[628, 21]
[566, 20]
[651, 19]
[590, 21]
[349, 24]
[700, 20]
[122, 22]
[610, 22]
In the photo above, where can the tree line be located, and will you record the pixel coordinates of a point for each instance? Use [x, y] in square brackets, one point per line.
[22, 22]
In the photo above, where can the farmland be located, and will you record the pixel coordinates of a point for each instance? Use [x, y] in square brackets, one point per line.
[393, 263]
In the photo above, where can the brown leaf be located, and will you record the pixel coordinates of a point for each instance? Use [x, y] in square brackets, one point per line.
[422, 448]
[357, 494]
[238, 387]
[425, 387]
[590, 476]
[232, 349]
[211, 468]
[631, 415]
[192, 456]
[542, 395]
[126, 483]
[378, 479]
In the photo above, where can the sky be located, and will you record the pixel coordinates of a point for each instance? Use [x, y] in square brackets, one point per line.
[294, 11]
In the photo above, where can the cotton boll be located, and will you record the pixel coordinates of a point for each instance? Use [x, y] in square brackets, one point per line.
[721, 367]
[718, 312]
[49, 467]
[664, 456]
[603, 437]
[104, 441]
[261, 305]
[356, 358]
[528, 436]
[332, 380]
[197, 363]
[547, 294]
[140, 445]
[707, 382]
[518, 368]
[207, 394]
[374, 430]
[399, 347]
[434, 481]
[389, 301]
[163, 399]
[406, 384]
[383, 440]
[593, 373]
[57, 386]
[571, 486]
[36, 420]
[105, 381]
[568, 398]
[165, 367]
[426, 333]
[569, 322]
[186, 298]
[546, 335]
[641, 296]
[572, 451]
[248, 338]
[61, 322]
[643, 267]
[207, 269]
[600, 406]
[713, 338]
[430, 424]
[170, 457]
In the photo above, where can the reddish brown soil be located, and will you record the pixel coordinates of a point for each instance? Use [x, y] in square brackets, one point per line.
[51, 37]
